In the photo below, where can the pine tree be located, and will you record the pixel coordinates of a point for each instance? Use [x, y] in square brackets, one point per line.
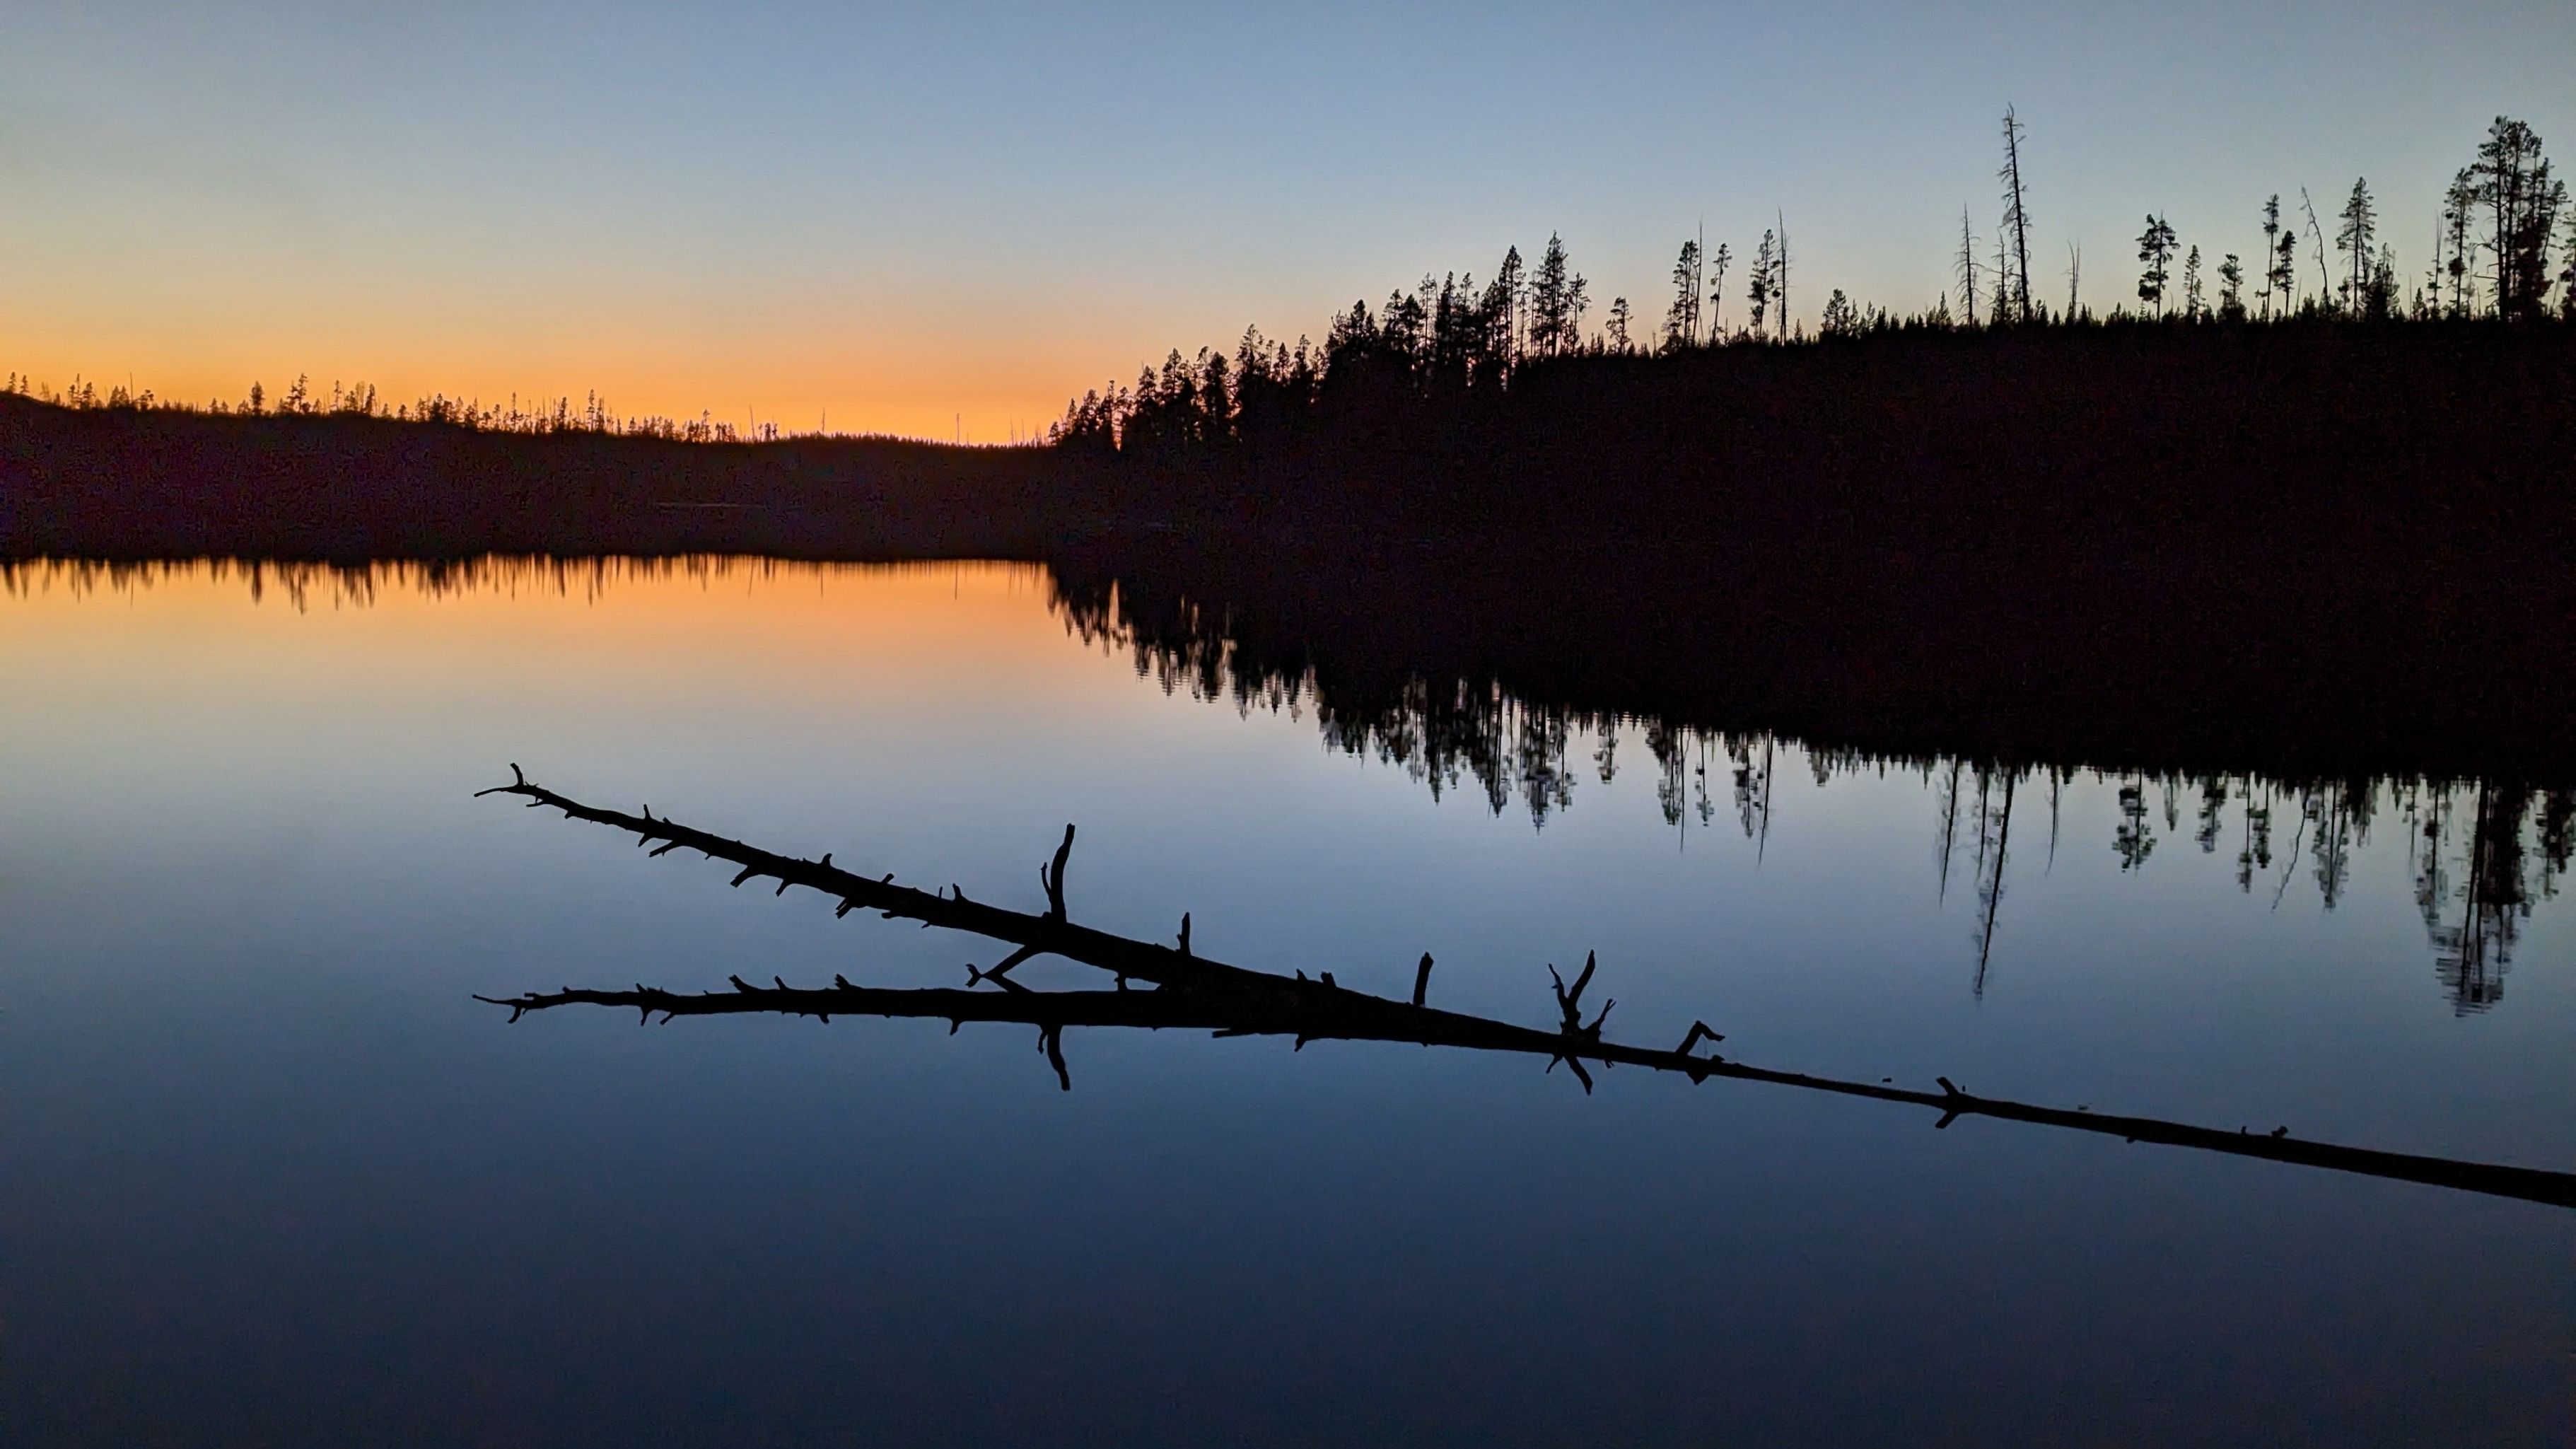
[2360, 229]
[2155, 248]
[1717, 291]
[2379, 294]
[2567, 273]
[2458, 204]
[1503, 297]
[2231, 289]
[1681, 321]
[1759, 292]
[1841, 318]
[1556, 306]
[2191, 294]
[2512, 181]
[1619, 326]
[2272, 278]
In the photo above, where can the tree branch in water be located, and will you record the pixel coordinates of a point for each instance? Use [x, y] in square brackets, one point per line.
[1195, 992]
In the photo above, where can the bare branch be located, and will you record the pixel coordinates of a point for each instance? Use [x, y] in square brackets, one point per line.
[1232, 1001]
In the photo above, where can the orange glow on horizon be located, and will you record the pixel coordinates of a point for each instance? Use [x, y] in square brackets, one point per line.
[997, 396]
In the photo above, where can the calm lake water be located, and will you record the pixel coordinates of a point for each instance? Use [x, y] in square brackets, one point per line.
[272, 1175]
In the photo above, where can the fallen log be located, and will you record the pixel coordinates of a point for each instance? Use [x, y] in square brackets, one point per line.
[1194, 992]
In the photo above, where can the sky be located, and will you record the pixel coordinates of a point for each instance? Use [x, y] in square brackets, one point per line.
[948, 219]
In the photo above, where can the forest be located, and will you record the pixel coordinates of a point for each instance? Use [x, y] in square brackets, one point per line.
[1450, 336]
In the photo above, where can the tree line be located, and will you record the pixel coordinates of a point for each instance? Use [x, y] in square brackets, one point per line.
[2498, 234]
[533, 417]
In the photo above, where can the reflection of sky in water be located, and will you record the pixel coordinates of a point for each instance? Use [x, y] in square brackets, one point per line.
[270, 1170]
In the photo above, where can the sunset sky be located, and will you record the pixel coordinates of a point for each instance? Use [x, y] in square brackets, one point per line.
[898, 216]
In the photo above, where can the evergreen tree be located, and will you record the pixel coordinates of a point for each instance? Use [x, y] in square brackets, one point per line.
[2379, 293]
[2231, 289]
[1758, 293]
[1502, 309]
[2191, 294]
[2155, 248]
[2360, 229]
[2459, 204]
[2273, 281]
[1556, 302]
[1619, 342]
[2512, 181]
[1717, 290]
[1841, 318]
[1681, 322]
[2567, 273]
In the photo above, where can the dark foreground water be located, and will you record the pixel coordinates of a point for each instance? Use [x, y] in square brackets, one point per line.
[269, 1174]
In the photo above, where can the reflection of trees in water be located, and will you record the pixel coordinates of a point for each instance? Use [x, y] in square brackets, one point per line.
[2134, 839]
[2480, 854]
[2476, 886]
[303, 584]
[1159, 987]
[2256, 853]
[1994, 834]
[2474, 883]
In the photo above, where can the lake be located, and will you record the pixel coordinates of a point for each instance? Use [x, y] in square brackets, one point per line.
[274, 1175]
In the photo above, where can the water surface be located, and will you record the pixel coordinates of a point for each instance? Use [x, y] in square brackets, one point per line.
[273, 1174]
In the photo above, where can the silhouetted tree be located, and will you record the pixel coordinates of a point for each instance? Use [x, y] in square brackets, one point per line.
[1780, 283]
[1619, 327]
[1681, 321]
[1841, 318]
[1758, 291]
[2360, 228]
[2512, 182]
[1503, 300]
[1557, 301]
[2379, 294]
[2155, 248]
[2459, 203]
[2231, 289]
[2274, 281]
[1717, 263]
[1967, 267]
[2016, 214]
[2191, 293]
[2567, 273]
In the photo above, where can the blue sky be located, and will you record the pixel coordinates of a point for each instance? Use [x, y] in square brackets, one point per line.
[900, 214]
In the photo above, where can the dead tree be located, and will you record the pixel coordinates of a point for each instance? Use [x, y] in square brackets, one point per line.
[1194, 992]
